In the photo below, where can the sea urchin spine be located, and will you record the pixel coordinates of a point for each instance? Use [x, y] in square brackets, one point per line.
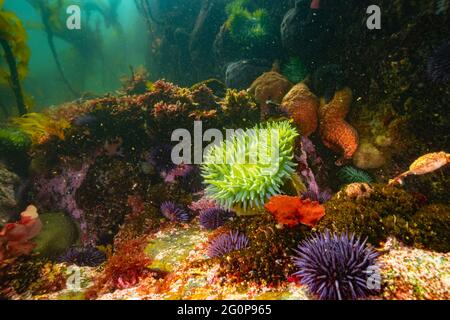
[174, 212]
[214, 218]
[226, 243]
[336, 267]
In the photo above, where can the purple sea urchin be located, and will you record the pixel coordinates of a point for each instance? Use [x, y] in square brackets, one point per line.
[438, 68]
[226, 243]
[83, 257]
[213, 218]
[335, 266]
[174, 212]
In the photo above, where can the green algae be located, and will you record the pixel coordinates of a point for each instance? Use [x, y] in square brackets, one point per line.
[168, 251]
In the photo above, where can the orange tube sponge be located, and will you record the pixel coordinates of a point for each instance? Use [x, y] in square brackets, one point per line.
[271, 86]
[337, 134]
[302, 106]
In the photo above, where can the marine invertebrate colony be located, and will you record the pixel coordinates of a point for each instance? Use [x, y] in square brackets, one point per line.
[335, 266]
[270, 86]
[302, 106]
[336, 133]
[438, 67]
[291, 211]
[226, 243]
[234, 179]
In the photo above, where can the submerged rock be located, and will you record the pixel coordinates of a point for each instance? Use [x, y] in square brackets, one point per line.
[241, 74]
[8, 182]
[305, 32]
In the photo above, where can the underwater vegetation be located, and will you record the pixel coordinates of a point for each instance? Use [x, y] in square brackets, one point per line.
[294, 70]
[137, 83]
[174, 212]
[234, 179]
[13, 139]
[98, 169]
[349, 174]
[13, 39]
[335, 266]
[432, 227]
[248, 27]
[375, 211]
[438, 67]
[31, 276]
[266, 260]
[226, 243]
[14, 147]
[41, 127]
[123, 269]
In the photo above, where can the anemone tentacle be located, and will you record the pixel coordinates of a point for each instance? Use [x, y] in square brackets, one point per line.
[246, 170]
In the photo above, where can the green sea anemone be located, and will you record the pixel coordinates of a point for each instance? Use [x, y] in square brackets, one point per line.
[244, 171]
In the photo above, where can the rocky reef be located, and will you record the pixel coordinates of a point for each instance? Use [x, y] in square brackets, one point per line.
[358, 183]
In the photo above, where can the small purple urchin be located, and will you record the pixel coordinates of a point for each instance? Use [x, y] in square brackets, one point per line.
[335, 267]
[213, 218]
[438, 68]
[174, 212]
[83, 257]
[226, 243]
